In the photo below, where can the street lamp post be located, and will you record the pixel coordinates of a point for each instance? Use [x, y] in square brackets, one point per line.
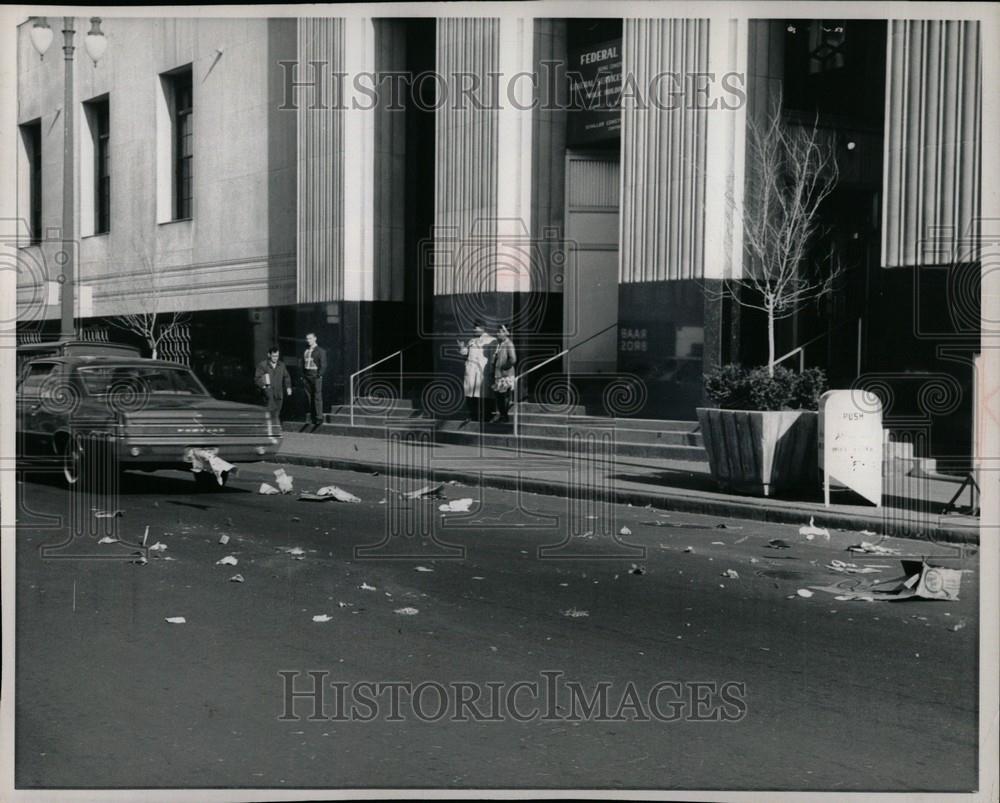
[41, 38]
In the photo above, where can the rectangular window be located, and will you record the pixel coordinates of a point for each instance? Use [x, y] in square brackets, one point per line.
[31, 134]
[183, 144]
[100, 111]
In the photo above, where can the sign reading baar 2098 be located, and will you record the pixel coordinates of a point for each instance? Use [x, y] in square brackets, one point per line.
[850, 443]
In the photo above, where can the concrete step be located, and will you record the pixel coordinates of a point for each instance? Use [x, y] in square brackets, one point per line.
[342, 414]
[503, 437]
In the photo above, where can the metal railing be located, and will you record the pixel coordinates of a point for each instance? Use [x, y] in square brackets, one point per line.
[399, 353]
[563, 353]
[801, 350]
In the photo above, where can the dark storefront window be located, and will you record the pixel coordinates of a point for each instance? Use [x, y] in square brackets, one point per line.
[102, 165]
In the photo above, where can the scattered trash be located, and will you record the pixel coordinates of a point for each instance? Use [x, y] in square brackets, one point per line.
[868, 532]
[741, 540]
[327, 493]
[778, 543]
[407, 611]
[625, 531]
[366, 587]
[919, 580]
[804, 592]
[158, 547]
[718, 543]
[637, 569]
[236, 578]
[229, 560]
[176, 620]
[295, 519]
[754, 560]
[457, 505]
[689, 549]
[956, 627]
[208, 460]
[108, 514]
[876, 549]
[573, 613]
[294, 551]
[426, 491]
[423, 569]
[322, 617]
[810, 530]
[223, 539]
[732, 574]
[145, 535]
[284, 480]
[721, 527]
[108, 540]
[267, 490]
[851, 568]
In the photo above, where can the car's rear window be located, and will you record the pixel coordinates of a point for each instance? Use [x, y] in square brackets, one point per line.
[100, 381]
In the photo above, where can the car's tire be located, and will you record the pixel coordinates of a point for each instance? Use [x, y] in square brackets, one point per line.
[205, 481]
[73, 458]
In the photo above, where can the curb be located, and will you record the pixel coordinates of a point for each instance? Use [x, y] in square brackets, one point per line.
[677, 501]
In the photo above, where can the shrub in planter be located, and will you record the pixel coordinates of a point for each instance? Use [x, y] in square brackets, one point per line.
[762, 437]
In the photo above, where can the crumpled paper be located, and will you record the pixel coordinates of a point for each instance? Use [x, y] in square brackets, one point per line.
[327, 493]
[457, 505]
[427, 490]
[284, 481]
[204, 460]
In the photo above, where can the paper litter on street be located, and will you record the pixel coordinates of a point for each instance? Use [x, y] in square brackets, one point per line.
[876, 549]
[229, 560]
[407, 611]
[732, 574]
[284, 480]
[158, 547]
[804, 592]
[322, 617]
[176, 620]
[425, 491]
[108, 514]
[851, 568]
[811, 531]
[236, 578]
[366, 587]
[573, 613]
[778, 543]
[327, 493]
[457, 505]
[205, 460]
[108, 540]
[423, 569]
[267, 490]
[625, 531]
[223, 539]
[919, 580]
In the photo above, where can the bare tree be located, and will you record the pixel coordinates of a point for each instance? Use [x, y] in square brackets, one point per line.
[150, 322]
[790, 171]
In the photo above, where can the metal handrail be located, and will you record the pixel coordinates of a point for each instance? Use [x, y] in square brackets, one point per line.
[563, 353]
[800, 350]
[398, 353]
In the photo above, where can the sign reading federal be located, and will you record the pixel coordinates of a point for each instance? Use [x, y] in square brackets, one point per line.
[595, 86]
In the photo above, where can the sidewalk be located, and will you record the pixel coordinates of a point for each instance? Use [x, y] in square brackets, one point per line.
[911, 506]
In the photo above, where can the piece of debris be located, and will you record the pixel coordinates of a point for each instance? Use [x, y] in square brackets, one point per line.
[457, 505]
[328, 493]
[267, 490]
[229, 560]
[850, 568]
[322, 617]
[741, 540]
[295, 519]
[108, 540]
[423, 569]
[108, 514]
[176, 620]
[689, 549]
[804, 592]
[366, 587]
[870, 548]
[223, 539]
[625, 531]
[721, 527]
[426, 491]
[718, 543]
[236, 578]
[208, 460]
[407, 611]
[637, 569]
[158, 547]
[732, 574]
[294, 551]
[778, 543]
[145, 535]
[810, 530]
[957, 626]
[284, 480]
[573, 613]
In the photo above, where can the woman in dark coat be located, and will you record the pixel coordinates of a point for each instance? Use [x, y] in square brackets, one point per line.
[504, 360]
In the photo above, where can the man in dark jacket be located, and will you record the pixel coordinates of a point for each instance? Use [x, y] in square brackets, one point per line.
[273, 380]
[313, 366]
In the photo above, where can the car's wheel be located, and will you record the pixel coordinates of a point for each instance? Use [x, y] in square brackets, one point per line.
[206, 481]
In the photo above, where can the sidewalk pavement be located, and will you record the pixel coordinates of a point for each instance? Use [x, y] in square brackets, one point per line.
[911, 505]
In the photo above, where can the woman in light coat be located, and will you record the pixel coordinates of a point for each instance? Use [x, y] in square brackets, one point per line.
[504, 360]
[476, 386]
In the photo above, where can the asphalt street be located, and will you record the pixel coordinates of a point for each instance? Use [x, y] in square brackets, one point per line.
[823, 694]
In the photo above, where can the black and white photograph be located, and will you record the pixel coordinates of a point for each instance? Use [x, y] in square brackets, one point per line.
[499, 400]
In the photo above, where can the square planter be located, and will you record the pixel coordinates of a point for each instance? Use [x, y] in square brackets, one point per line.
[761, 452]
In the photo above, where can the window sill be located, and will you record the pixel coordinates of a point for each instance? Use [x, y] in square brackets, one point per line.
[175, 220]
[95, 234]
